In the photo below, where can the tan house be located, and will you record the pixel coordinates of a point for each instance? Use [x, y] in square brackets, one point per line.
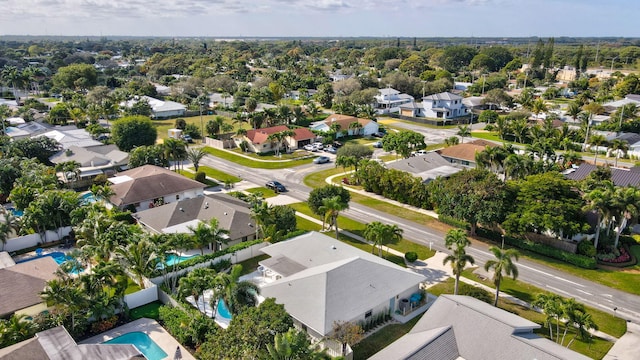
[148, 186]
[465, 154]
[368, 127]
[22, 283]
[259, 142]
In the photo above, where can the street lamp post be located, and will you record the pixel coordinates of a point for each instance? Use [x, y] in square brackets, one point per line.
[612, 60]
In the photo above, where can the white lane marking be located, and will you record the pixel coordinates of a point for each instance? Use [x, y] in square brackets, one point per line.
[584, 292]
[558, 290]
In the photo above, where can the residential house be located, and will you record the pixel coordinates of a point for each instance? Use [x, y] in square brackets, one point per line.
[160, 109]
[462, 327]
[465, 154]
[259, 142]
[412, 109]
[93, 161]
[216, 99]
[148, 186]
[428, 167]
[297, 94]
[22, 283]
[68, 136]
[26, 130]
[389, 100]
[233, 215]
[620, 177]
[321, 280]
[57, 344]
[368, 127]
[444, 105]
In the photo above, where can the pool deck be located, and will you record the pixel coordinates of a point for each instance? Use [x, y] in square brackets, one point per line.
[150, 327]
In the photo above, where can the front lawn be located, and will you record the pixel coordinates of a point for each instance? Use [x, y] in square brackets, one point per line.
[240, 160]
[266, 193]
[271, 156]
[192, 176]
[218, 175]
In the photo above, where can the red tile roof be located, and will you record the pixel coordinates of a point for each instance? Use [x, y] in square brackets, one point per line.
[259, 136]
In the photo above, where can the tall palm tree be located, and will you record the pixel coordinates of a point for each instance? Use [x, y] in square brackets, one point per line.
[139, 258]
[619, 147]
[331, 207]
[551, 304]
[313, 110]
[457, 241]
[538, 106]
[355, 128]
[574, 109]
[380, 234]
[502, 265]
[626, 204]
[237, 294]
[195, 283]
[598, 200]
[584, 322]
[597, 141]
[8, 224]
[261, 214]
[195, 155]
[463, 131]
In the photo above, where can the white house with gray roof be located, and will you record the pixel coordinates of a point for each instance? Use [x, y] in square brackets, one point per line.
[159, 108]
[389, 100]
[444, 105]
[462, 327]
[320, 280]
[428, 167]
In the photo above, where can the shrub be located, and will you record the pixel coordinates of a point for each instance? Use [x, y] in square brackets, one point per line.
[586, 248]
[201, 177]
[411, 256]
[461, 224]
[475, 292]
[104, 325]
[100, 179]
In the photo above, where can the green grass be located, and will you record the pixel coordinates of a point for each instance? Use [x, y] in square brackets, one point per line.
[250, 265]
[595, 349]
[317, 179]
[218, 175]
[304, 224]
[254, 163]
[607, 323]
[266, 193]
[271, 156]
[357, 228]
[131, 287]
[388, 123]
[163, 126]
[491, 136]
[150, 311]
[192, 176]
[381, 339]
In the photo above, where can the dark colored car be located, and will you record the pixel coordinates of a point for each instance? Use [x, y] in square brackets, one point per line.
[187, 138]
[330, 150]
[321, 160]
[275, 186]
[337, 144]
[377, 144]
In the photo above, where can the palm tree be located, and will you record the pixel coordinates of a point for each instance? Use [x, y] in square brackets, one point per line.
[626, 203]
[502, 265]
[8, 224]
[214, 127]
[597, 141]
[551, 304]
[463, 131]
[261, 214]
[16, 329]
[539, 106]
[355, 128]
[367, 112]
[574, 109]
[298, 115]
[139, 258]
[195, 155]
[598, 200]
[313, 110]
[619, 147]
[237, 294]
[174, 150]
[195, 283]
[211, 233]
[380, 234]
[331, 208]
[520, 127]
[457, 241]
[583, 322]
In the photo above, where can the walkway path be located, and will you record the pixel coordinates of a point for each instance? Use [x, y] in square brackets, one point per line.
[263, 160]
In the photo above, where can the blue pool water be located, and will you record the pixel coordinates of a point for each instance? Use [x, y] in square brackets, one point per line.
[222, 310]
[142, 342]
[58, 257]
[173, 259]
[17, 213]
[88, 198]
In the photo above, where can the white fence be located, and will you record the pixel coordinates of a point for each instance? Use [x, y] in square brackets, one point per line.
[141, 297]
[27, 241]
[236, 257]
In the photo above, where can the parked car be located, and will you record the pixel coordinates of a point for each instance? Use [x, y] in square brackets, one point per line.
[187, 138]
[309, 147]
[419, 153]
[330, 149]
[275, 186]
[321, 160]
[318, 145]
[337, 144]
[379, 134]
[377, 144]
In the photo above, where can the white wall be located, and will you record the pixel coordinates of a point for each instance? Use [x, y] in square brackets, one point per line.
[23, 242]
[141, 297]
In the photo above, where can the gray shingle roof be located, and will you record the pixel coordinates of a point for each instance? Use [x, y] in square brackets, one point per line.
[620, 177]
[482, 332]
[22, 283]
[443, 96]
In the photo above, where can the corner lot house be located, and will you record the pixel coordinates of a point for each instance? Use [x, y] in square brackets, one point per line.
[444, 105]
[233, 215]
[465, 154]
[258, 139]
[389, 100]
[22, 283]
[368, 127]
[461, 327]
[148, 186]
[320, 280]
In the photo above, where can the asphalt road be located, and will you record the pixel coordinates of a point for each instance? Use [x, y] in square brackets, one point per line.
[587, 292]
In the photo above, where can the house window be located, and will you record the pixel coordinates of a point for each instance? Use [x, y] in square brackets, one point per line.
[368, 314]
[465, 163]
[177, 197]
[434, 104]
[244, 238]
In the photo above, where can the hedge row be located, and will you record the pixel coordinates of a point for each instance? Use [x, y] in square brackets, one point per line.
[453, 222]
[575, 259]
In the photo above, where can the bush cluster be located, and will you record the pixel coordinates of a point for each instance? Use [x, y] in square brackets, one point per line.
[453, 222]
[586, 248]
[394, 184]
[411, 256]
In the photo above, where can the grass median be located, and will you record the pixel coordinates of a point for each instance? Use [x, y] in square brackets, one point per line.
[256, 164]
[217, 174]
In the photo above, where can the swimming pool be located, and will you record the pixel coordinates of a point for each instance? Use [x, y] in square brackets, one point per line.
[58, 256]
[223, 311]
[88, 198]
[142, 342]
[173, 259]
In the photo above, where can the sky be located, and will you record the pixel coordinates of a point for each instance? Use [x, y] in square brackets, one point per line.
[321, 18]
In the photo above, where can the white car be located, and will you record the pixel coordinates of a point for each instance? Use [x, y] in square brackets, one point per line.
[309, 147]
[318, 145]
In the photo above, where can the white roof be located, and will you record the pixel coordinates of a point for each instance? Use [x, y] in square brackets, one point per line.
[388, 91]
[120, 179]
[15, 120]
[157, 105]
[74, 137]
[181, 228]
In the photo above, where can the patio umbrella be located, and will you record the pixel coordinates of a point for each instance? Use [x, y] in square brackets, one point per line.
[178, 354]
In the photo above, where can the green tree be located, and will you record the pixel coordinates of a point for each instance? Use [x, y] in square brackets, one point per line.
[457, 241]
[318, 194]
[502, 265]
[346, 333]
[463, 131]
[475, 196]
[133, 131]
[76, 77]
[325, 95]
[552, 306]
[403, 142]
[293, 345]
[40, 148]
[195, 155]
[148, 155]
[381, 234]
[139, 257]
[195, 283]
[331, 207]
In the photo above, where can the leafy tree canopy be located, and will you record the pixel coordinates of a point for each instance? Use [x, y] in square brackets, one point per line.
[133, 131]
[317, 195]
